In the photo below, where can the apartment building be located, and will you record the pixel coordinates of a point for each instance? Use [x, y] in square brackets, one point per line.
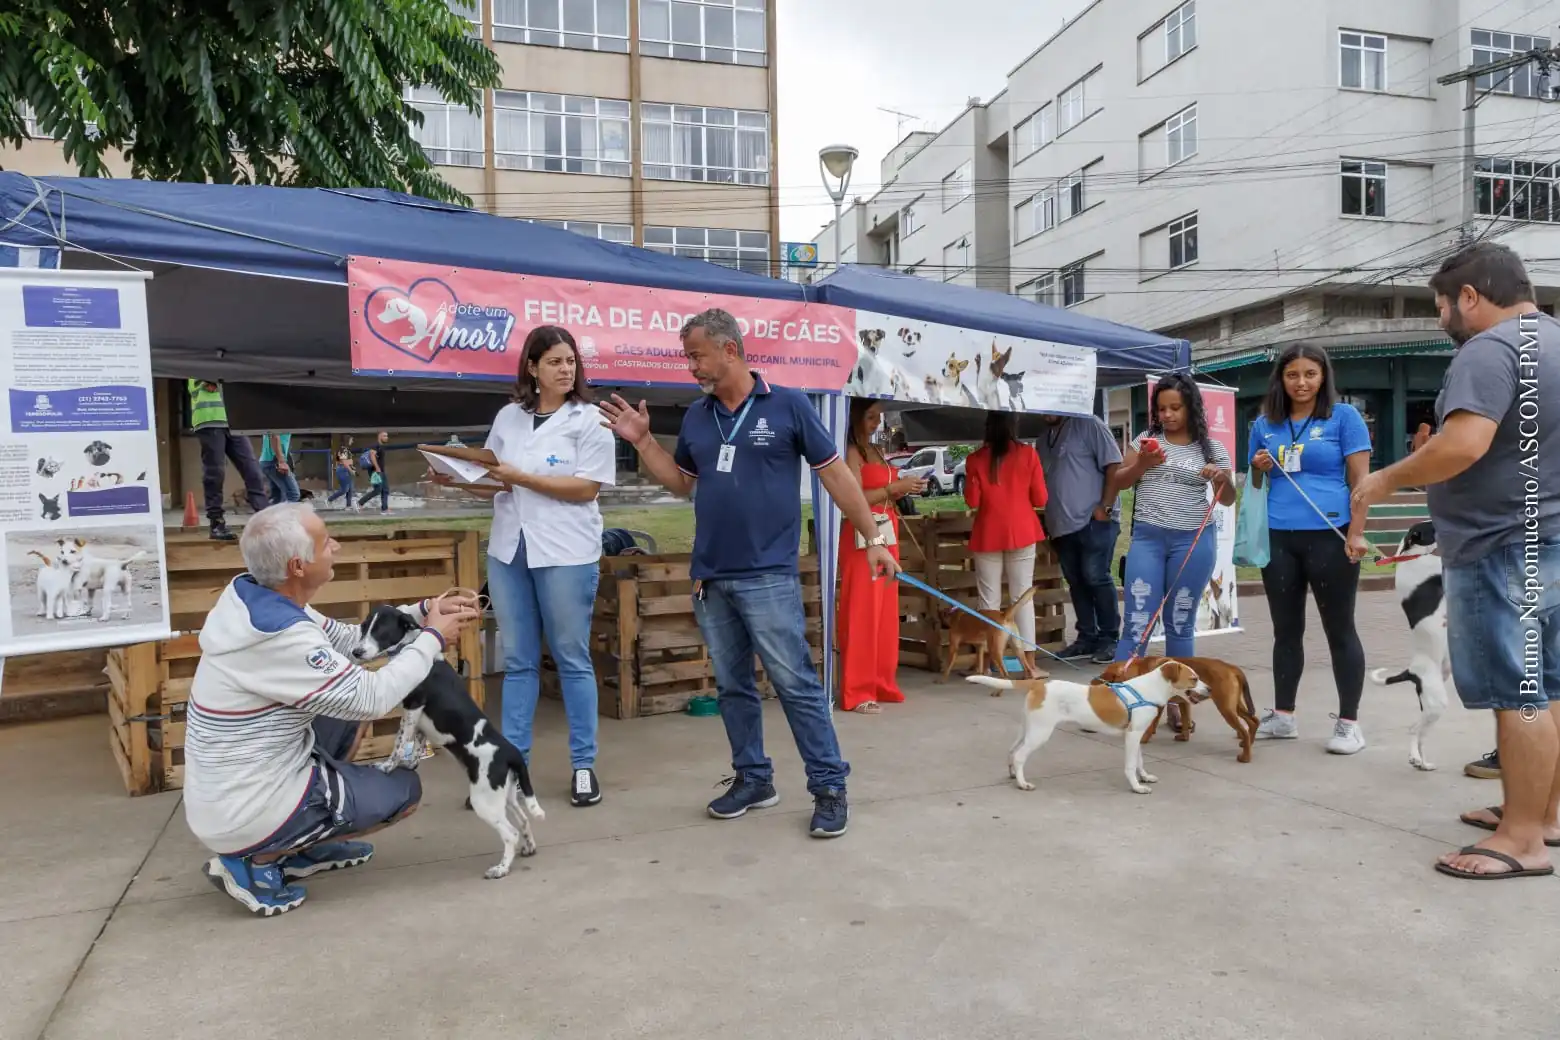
[1187, 168]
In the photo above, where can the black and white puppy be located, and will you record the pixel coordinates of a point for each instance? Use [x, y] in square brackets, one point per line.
[442, 710]
[1419, 589]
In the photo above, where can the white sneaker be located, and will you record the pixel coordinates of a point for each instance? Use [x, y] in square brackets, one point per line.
[1347, 738]
[1277, 726]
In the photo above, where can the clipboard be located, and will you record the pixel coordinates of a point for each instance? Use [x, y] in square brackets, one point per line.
[467, 466]
[481, 456]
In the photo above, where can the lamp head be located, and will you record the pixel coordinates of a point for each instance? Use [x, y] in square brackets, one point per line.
[837, 159]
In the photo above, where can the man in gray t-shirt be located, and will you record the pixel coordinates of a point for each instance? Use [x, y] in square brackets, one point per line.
[1493, 476]
[1082, 520]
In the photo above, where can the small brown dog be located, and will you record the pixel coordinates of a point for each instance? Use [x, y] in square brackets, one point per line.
[1227, 688]
[990, 643]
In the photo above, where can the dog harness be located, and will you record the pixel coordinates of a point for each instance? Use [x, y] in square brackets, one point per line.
[1137, 700]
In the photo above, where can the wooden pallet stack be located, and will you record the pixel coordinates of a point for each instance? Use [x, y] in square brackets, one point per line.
[935, 548]
[149, 683]
[649, 655]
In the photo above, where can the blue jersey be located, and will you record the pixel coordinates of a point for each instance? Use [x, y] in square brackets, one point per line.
[1322, 446]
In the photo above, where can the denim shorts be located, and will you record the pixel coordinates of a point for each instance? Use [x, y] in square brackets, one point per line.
[1503, 628]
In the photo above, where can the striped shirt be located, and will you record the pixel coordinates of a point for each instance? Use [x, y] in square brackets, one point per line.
[1173, 495]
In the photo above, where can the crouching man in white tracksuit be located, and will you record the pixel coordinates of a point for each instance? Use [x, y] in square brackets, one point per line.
[276, 711]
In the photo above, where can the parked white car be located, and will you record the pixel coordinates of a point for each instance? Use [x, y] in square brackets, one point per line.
[933, 466]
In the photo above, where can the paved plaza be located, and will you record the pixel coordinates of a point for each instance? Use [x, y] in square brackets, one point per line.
[1289, 898]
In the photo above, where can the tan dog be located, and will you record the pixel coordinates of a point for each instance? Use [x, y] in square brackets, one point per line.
[1224, 683]
[1130, 708]
[989, 643]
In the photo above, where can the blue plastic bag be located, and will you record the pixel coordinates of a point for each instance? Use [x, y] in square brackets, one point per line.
[1251, 524]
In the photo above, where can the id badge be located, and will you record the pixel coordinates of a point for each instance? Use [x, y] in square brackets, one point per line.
[1292, 459]
[728, 455]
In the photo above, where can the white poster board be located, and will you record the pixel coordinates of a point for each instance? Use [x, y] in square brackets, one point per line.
[923, 362]
[80, 495]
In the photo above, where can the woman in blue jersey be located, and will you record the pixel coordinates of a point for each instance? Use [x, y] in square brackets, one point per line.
[1312, 450]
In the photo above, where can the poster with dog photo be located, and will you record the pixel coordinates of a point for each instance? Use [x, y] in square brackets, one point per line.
[80, 494]
[923, 362]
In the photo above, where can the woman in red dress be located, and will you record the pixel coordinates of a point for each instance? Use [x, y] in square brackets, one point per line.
[867, 621]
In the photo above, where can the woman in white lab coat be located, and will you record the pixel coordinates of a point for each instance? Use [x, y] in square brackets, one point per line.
[544, 552]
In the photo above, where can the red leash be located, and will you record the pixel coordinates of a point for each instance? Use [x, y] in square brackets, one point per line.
[1149, 630]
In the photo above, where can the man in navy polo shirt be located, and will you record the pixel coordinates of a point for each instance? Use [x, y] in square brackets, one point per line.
[742, 446]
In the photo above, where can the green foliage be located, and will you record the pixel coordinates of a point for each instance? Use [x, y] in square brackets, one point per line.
[290, 92]
[957, 453]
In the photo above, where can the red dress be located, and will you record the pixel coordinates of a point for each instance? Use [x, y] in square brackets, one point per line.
[867, 621]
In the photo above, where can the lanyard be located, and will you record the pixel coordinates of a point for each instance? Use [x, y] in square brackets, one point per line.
[1294, 438]
[725, 438]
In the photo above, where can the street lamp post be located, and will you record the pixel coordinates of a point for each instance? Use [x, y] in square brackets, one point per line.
[834, 163]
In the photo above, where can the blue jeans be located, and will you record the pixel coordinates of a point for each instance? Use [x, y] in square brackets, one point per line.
[1085, 557]
[284, 486]
[763, 614]
[1153, 558]
[343, 485]
[1503, 628]
[560, 602]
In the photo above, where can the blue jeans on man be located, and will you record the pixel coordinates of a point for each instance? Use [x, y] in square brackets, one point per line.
[763, 615]
[1085, 556]
[560, 603]
[283, 486]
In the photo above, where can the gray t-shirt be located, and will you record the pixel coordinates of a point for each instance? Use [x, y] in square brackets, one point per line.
[1073, 455]
[1482, 508]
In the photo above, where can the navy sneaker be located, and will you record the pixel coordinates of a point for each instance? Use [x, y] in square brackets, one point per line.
[329, 855]
[831, 814]
[744, 794]
[261, 889]
[1105, 653]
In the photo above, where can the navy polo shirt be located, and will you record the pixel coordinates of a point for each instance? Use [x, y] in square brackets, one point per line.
[749, 521]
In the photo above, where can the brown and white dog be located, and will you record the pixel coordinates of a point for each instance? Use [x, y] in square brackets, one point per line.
[1128, 708]
[1223, 683]
[990, 643]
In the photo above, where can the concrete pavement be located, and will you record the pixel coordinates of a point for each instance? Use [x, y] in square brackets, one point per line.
[1289, 898]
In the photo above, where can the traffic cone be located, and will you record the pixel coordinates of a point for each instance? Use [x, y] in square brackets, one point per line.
[191, 518]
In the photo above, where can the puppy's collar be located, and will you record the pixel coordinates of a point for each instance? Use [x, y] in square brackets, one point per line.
[1137, 701]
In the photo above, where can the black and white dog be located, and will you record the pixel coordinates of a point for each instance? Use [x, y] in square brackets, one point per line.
[442, 710]
[1419, 589]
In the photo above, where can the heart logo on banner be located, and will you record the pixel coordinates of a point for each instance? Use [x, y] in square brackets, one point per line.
[413, 320]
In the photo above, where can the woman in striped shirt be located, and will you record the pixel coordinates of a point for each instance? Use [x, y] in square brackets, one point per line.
[1173, 551]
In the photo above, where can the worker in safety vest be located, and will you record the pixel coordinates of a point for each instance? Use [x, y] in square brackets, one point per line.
[208, 417]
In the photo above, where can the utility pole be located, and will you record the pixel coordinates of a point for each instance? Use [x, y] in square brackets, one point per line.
[1546, 61]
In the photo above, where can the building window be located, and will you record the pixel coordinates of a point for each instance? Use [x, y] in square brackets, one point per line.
[1526, 81]
[1070, 106]
[744, 250]
[1035, 214]
[909, 224]
[1180, 31]
[623, 233]
[1033, 133]
[1042, 290]
[1183, 241]
[587, 25]
[1181, 136]
[1362, 61]
[450, 135]
[956, 259]
[1364, 188]
[1517, 189]
[720, 145]
[560, 133]
[729, 31]
[1071, 278]
[1069, 190]
[471, 10]
[956, 187]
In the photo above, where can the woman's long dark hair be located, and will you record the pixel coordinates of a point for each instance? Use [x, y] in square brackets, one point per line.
[542, 339]
[859, 407]
[1275, 407]
[1001, 431]
[1196, 418]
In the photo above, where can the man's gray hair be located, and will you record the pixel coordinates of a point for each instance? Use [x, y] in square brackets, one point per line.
[718, 325]
[273, 538]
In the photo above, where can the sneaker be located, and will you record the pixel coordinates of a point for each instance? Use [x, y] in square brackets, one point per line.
[328, 855]
[831, 814]
[261, 889]
[1347, 738]
[1276, 725]
[1075, 651]
[220, 533]
[744, 794]
[1485, 768]
[586, 790]
[1103, 654]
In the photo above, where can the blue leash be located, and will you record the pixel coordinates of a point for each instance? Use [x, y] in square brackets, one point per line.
[916, 583]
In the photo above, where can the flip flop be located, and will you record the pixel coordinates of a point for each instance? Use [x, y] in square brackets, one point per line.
[1498, 813]
[868, 708]
[1517, 870]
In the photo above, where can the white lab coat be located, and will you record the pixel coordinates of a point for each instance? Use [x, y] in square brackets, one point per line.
[572, 443]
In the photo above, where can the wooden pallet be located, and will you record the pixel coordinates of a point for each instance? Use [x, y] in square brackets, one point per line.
[149, 683]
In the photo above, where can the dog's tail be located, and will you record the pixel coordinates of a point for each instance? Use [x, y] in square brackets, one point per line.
[128, 560]
[1012, 612]
[522, 778]
[992, 681]
[46, 561]
[1380, 677]
[1245, 695]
